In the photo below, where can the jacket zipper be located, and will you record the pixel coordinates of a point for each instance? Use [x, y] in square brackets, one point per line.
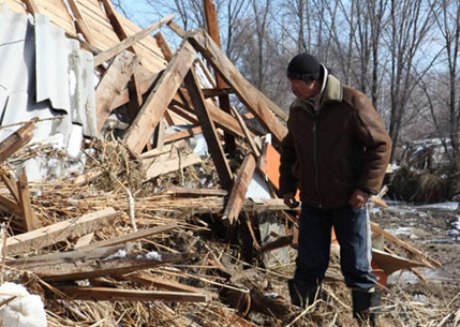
[315, 159]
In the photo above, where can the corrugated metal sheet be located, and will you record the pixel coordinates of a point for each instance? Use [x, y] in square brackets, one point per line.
[45, 75]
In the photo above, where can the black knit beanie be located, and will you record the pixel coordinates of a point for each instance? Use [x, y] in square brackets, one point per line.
[304, 67]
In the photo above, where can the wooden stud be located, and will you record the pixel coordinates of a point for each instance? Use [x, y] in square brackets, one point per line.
[30, 219]
[80, 22]
[209, 131]
[17, 140]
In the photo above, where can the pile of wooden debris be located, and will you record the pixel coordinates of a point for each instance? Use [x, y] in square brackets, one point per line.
[153, 234]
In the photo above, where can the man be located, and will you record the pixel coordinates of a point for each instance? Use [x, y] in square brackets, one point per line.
[336, 153]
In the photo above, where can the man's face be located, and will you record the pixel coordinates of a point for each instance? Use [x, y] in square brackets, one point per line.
[303, 89]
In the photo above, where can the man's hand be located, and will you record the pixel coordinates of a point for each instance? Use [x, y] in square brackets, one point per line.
[359, 199]
[290, 200]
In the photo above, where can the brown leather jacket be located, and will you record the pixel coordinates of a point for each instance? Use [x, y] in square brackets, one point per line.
[331, 153]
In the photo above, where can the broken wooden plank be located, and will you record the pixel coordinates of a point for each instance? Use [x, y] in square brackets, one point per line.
[83, 241]
[182, 134]
[406, 246]
[113, 294]
[17, 140]
[152, 111]
[131, 40]
[256, 102]
[188, 192]
[391, 263]
[85, 268]
[209, 131]
[88, 177]
[164, 46]
[48, 235]
[170, 285]
[113, 82]
[31, 221]
[238, 192]
[141, 233]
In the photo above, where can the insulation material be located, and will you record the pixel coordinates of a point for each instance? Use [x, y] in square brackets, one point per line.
[21, 308]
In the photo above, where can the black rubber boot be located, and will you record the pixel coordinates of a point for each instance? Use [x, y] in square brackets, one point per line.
[302, 294]
[363, 302]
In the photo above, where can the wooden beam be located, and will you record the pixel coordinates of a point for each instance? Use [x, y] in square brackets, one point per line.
[152, 111]
[249, 137]
[128, 42]
[80, 22]
[188, 192]
[82, 269]
[111, 294]
[170, 285]
[164, 46]
[113, 82]
[45, 236]
[209, 131]
[141, 233]
[17, 140]
[30, 218]
[224, 101]
[238, 193]
[31, 7]
[256, 102]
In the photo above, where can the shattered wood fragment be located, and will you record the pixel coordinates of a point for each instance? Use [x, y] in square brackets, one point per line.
[87, 268]
[209, 131]
[128, 42]
[152, 111]
[83, 241]
[45, 236]
[115, 79]
[31, 221]
[238, 192]
[256, 102]
[111, 294]
[17, 140]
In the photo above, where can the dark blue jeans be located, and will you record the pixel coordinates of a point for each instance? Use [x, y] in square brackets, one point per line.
[353, 234]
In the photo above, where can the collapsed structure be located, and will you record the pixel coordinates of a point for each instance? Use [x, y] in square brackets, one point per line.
[76, 72]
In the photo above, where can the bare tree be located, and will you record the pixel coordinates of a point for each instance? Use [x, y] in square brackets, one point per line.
[410, 24]
[448, 21]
